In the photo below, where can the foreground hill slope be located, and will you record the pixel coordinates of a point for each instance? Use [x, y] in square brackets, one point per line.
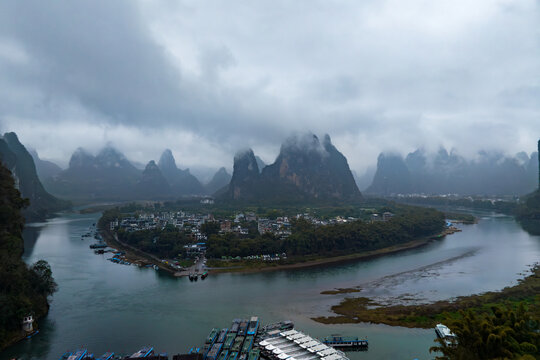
[23, 290]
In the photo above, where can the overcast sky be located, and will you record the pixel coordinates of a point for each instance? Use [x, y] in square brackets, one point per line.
[206, 78]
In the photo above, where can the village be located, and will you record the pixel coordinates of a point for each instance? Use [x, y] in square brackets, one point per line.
[191, 223]
[241, 225]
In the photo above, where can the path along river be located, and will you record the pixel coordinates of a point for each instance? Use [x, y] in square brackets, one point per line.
[105, 306]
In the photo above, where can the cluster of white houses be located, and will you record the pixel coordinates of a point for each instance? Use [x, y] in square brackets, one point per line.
[385, 216]
[191, 223]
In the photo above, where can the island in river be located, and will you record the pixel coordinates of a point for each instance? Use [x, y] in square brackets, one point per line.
[254, 243]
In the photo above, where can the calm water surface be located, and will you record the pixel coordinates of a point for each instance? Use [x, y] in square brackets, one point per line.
[104, 306]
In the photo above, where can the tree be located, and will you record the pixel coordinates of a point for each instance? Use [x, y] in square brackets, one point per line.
[210, 228]
[45, 282]
[503, 333]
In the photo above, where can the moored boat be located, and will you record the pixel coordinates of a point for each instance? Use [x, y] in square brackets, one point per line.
[229, 339]
[242, 329]
[32, 334]
[98, 246]
[64, 356]
[144, 352]
[222, 335]
[77, 355]
[223, 355]
[444, 333]
[212, 336]
[235, 325]
[214, 351]
[248, 344]
[106, 356]
[237, 345]
[254, 354]
[253, 325]
[281, 326]
[345, 342]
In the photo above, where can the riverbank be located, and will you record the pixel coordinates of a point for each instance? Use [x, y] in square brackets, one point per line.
[18, 336]
[135, 255]
[245, 267]
[365, 310]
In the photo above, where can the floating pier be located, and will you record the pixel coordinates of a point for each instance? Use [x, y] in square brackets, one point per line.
[249, 340]
[296, 345]
[346, 342]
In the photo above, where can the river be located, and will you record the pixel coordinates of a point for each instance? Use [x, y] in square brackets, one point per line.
[105, 306]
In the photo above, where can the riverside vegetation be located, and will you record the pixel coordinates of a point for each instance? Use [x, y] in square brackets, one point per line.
[528, 213]
[493, 325]
[23, 290]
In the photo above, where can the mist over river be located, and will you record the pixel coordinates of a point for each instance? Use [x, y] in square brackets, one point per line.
[110, 307]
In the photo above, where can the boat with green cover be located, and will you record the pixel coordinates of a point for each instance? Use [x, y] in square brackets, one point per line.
[237, 343]
[212, 336]
[223, 355]
[254, 354]
[229, 340]
[248, 343]
[233, 355]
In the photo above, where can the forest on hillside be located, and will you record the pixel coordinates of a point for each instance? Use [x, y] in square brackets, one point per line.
[23, 289]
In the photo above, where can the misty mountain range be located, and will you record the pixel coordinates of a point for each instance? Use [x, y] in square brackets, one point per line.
[306, 169]
[449, 173]
[111, 176]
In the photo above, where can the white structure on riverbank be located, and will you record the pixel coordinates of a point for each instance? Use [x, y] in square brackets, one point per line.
[28, 324]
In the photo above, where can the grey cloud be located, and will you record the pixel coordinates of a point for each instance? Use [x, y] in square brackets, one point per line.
[208, 78]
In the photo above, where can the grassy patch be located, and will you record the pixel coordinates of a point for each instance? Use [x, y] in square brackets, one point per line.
[362, 309]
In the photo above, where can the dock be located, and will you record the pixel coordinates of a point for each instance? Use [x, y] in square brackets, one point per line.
[248, 340]
[293, 344]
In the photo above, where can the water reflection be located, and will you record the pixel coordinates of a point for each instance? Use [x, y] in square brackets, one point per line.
[30, 236]
[531, 226]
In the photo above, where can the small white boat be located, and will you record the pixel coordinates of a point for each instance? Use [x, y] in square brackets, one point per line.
[444, 333]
